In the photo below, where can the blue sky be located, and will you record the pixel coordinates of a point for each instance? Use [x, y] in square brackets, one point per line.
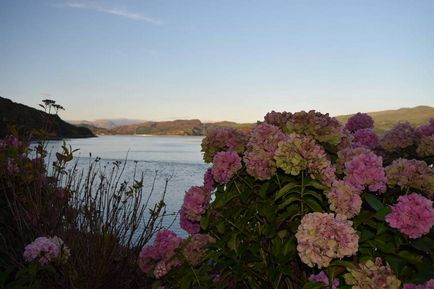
[216, 59]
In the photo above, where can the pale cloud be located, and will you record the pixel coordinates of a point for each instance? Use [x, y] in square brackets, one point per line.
[123, 12]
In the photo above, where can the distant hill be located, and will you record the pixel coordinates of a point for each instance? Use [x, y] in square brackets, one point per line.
[386, 119]
[28, 120]
[383, 120]
[175, 127]
[106, 123]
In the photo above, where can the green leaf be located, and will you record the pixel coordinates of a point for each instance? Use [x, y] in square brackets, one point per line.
[315, 184]
[383, 212]
[264, 189]
[314, 285]
[373, 202]
[382, 246]
[204, 222]
[410, 257]
[293, 209]
[287, 202]
[156, 285]
[425, 244]
[286, 189]
[313, 204]
[186, 282]
[289, 247]
[232, 243]
[381, 228]
[314, 194]
[342, 263]
[220, 227]
[395, 262]
[366, 235]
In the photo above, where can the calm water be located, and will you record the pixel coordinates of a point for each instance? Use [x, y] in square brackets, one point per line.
[175, 157]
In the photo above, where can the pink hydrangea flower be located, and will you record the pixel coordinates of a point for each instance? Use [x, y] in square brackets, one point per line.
[413, 215]
[225, 166]
[359, 121]
[160, 270]
[148, 257]
[428, 285]
[366, 170]
[260, 151]
[259, 164]
[196, 201]
[344, 199]
[208, 181]
[346, 155]
[322, 277]
[411, 174]
[222, 139]
[265, 137]
[195, 249]
[45, 250]
[191, 227]
[167, 242]
[159, 258]
[366, 138]
[323, 237]
[401, 136]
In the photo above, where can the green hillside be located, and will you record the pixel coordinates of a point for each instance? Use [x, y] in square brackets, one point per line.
[386, 119]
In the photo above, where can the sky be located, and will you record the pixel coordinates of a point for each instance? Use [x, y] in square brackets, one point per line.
[216, 59]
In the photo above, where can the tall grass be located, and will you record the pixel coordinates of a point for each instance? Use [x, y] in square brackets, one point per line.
[103, 216]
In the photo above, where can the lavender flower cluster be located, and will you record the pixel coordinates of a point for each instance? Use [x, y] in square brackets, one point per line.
[45, 250]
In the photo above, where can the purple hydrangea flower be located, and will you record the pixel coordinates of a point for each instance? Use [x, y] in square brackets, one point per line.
[413, 215]
[359, 121]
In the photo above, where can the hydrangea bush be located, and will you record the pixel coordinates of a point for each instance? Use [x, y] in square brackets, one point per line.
[304, 202]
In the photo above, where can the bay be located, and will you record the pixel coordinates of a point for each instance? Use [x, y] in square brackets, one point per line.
[176, 158]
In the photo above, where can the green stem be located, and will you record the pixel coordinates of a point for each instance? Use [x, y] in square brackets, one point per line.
[302, 193]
